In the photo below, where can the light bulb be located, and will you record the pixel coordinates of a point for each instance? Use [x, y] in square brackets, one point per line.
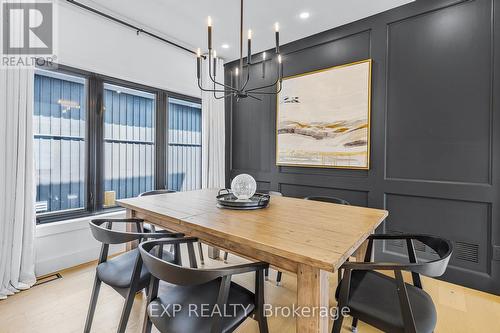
[276, 27]
[263, 55]
[198, 52]
[279, 58]
[304, 15]
[209, 21]
[237, 71]
[215, 54]
[249, 34]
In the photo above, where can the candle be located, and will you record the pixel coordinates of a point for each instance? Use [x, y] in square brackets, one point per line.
[236, 71]
[277, 34]
[249, 55]
[215, 62]
[198, 63]
[263, 64]
[209, 21]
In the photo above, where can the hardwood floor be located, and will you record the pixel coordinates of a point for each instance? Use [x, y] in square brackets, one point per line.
[61, 306]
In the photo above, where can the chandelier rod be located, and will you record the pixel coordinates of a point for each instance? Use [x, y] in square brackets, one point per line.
[241, 45]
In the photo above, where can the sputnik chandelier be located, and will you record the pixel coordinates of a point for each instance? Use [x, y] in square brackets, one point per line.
[239, 88]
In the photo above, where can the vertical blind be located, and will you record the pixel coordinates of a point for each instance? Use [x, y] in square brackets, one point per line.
[128, 141]
[184, 145]
[59, 141]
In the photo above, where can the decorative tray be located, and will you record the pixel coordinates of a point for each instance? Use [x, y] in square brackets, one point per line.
[226, 199]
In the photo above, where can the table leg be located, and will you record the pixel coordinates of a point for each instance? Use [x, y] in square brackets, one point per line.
[361, 251]
[130, 228]
[312, 293]
[213, 253]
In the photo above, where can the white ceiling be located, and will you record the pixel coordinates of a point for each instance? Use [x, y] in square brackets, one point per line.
[185, 21]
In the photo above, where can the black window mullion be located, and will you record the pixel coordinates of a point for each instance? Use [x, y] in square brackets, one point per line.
[95, 160]
[161, 123]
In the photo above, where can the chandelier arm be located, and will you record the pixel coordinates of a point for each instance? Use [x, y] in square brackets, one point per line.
[259, 99]
[223, 96]
[208, 90]
[267, 92]
[222, 84]
[248, 78]
[278, 79]
[210, 74]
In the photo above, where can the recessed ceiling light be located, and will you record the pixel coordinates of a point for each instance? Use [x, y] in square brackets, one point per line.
[304, 15]
[225, 46]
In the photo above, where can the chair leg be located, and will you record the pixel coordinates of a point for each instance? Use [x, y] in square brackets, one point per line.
[278, 278]
[200, 250]
[263, 328]
[266, 274]
[226, 254]
[146, 325]
[127, 307]
[354, 324]
[93, 303]
[337, 324]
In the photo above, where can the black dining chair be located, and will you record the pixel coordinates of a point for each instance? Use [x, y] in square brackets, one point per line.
[388, 303]
[328, 199]
[121, 272]
[151, 228]
[279, 274]
[207, 301]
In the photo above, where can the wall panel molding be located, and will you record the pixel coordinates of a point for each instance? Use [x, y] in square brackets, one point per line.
[435, 127]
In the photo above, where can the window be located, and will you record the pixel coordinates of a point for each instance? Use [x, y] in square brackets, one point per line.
[59, 141]
[98, 139]
[128, 143]
[184, 145]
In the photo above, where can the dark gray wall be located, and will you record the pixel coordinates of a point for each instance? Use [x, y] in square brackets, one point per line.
[435, 128]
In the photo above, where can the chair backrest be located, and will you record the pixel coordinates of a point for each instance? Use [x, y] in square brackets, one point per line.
[442, 247]
[328, 199]
[106, 235]
[174, 273]
[433, 268]
[102, 230]
[276, 193]
[154, 192]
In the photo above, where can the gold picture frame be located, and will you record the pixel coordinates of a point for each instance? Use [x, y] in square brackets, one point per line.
[324, 129]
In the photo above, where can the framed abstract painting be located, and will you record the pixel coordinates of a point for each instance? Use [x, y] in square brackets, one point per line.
[323, 118]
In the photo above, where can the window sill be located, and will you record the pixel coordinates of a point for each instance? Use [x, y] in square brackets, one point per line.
[68, 225]
[73, 215]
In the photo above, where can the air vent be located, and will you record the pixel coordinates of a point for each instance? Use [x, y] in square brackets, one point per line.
[47, 278]
[395, 242]
[467, 252]
[419, 246]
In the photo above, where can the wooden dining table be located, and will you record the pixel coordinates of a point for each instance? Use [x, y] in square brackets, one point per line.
[309, 238]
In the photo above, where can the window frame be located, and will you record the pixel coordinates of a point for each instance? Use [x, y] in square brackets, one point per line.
[94, 141]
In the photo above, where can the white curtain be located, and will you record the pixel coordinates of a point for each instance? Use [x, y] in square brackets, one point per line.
[213, 131]
[17, 181]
